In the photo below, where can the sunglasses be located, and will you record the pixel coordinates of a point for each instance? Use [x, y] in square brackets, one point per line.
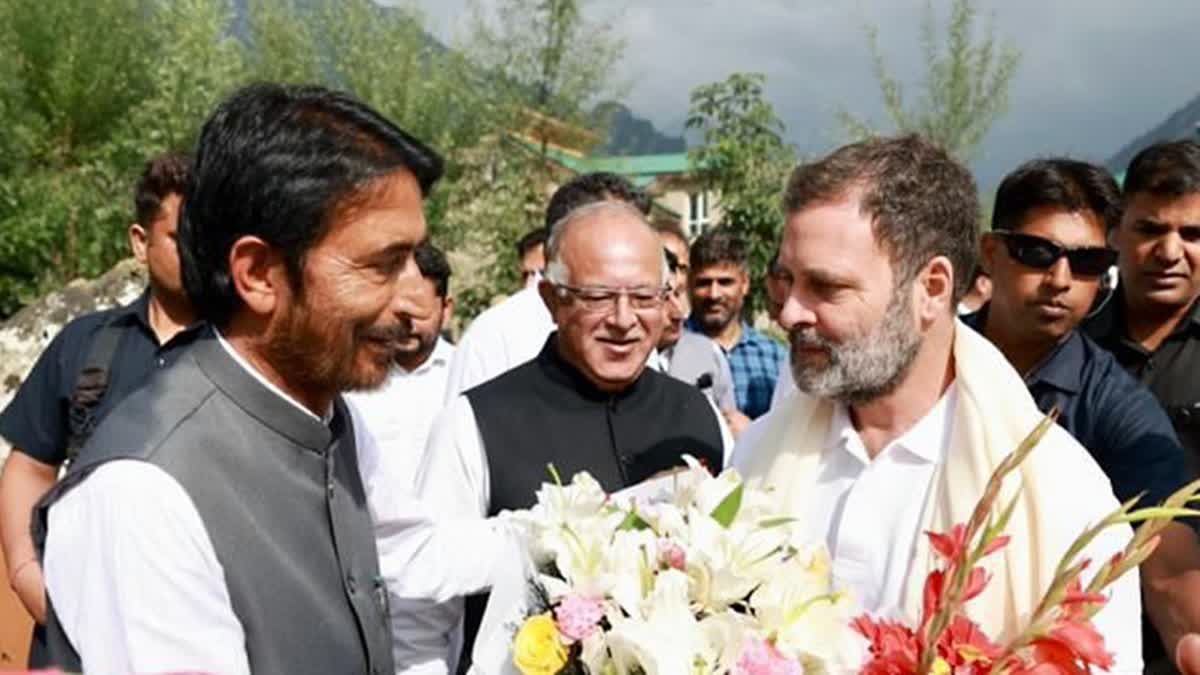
[1041, 254]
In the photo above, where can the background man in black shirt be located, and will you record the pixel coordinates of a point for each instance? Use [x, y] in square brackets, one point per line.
[1047, 257]
[146, 335]
[1152, 325]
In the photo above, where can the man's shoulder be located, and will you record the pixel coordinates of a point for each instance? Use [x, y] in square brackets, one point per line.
[142, 423]
[1102, 373]
[523, 305]
[513, 379]
[77, 333]
[763, 341]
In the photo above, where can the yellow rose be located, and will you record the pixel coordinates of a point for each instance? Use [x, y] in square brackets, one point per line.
[537, 649]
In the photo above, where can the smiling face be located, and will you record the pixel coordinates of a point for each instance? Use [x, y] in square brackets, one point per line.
[340, 331]
[1159, 245]
[852, 331]
[609, 344]
[1043, 305]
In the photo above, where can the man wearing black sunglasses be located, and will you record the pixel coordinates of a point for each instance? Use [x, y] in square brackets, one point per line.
[1047, 258]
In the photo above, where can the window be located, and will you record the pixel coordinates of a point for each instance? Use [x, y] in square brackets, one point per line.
[698, 220]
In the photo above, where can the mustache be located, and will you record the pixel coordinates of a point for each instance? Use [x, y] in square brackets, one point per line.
[807, 338]
[393, 333]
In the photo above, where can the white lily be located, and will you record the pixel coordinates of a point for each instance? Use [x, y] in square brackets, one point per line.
[799, 606]
[730, 562]
[664, 638]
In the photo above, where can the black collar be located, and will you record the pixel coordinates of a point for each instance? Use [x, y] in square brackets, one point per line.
[137, 313]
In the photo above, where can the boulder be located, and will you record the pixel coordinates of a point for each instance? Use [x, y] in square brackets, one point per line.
[26, 333]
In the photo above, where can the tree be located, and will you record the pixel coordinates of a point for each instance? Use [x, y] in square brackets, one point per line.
[545, 55]
[744, 160]
[965, 87]
[540, 65]
[89, 91]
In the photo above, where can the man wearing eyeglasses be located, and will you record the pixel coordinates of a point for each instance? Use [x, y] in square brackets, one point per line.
[1047, 258]
[587, 402]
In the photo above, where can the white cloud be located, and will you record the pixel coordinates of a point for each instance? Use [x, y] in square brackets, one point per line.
[1094, 74]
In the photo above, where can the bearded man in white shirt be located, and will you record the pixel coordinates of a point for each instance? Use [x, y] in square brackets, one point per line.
[399, 414]
[902, 413]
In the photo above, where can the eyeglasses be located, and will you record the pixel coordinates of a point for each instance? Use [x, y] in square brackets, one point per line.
[604, 299]
[1041, 254]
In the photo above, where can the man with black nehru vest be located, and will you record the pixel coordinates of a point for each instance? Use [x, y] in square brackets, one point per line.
[218, 521]
[587, 402]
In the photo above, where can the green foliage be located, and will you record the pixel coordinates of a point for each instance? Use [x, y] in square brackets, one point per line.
[90, 90]
[965, 87]
[744, 159]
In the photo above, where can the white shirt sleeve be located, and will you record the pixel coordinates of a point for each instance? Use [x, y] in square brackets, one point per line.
[134, 579]
[473, 361]
[436, 546]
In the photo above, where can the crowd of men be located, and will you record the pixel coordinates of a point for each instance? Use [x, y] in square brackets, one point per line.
[226, 509]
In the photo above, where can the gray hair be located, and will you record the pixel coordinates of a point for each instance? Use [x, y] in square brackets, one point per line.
[557, 271]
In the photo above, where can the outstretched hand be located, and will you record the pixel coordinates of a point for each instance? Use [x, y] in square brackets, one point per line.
[1187, 654]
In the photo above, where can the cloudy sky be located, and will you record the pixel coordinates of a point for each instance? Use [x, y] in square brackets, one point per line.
[1094, 73]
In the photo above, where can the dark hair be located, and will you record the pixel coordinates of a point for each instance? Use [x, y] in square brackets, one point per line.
[163, 175]
[718, 246]
[594, 187]
[281, 162]
[672, 260]
[922, 203]
[1171, 168]
[432, 263]
[530, 241]
[1066, 184]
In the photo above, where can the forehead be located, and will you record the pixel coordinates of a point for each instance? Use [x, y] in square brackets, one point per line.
[1071, 228]
[611, 251]
[1167, 209]
[387, 213]
[831, 234]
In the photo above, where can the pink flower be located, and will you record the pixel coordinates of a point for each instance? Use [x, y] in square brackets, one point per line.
[760, 657]
[578, 616]
[672, 554]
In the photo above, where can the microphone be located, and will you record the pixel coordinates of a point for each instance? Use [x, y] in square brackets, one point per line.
[705, 381]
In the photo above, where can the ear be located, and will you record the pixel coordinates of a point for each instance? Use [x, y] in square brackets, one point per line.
[447, 310]
[936, 296]
[259, 275]
[139, 238]
[988, 250]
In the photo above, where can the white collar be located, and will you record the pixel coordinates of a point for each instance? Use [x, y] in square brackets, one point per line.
[439, 357]
[927, 440]
[237, 358]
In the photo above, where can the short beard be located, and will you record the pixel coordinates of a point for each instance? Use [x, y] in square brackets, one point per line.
[864, 368]
[318, 354]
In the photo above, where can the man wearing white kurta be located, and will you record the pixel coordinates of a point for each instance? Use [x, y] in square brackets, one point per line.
[902, 413]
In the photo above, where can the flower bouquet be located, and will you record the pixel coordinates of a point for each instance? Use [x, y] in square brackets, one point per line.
[704, 577]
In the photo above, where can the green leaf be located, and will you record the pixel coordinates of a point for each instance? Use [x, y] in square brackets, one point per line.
[633, 522]
[727, 510]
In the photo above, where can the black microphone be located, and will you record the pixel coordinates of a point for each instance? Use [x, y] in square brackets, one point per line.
[705, 381]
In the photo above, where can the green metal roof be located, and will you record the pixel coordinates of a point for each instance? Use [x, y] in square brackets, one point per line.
[640, 169]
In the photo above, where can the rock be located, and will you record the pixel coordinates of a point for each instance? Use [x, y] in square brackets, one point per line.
[26, 334]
